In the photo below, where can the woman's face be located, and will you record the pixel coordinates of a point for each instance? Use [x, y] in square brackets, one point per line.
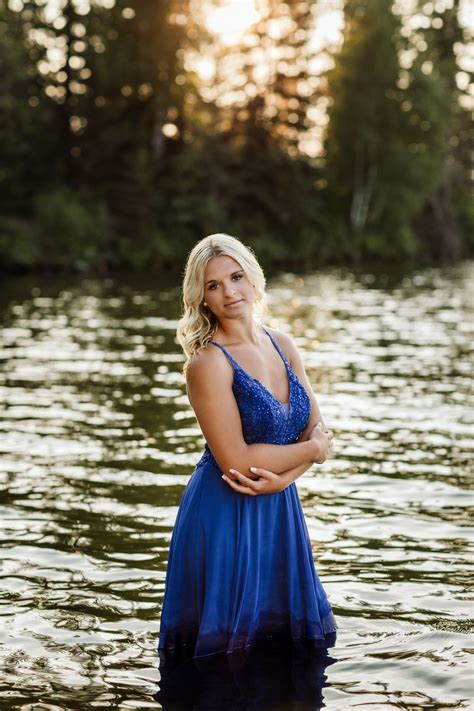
[227, 289]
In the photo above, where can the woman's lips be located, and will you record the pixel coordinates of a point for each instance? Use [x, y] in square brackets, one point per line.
[234, 303]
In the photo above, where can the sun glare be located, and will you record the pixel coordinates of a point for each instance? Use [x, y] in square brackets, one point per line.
[231, 19]
[328, 29]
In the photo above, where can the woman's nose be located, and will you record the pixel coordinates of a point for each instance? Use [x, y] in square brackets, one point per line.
[229, 287]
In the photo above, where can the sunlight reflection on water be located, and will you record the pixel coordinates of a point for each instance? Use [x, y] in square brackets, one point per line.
[97, 444]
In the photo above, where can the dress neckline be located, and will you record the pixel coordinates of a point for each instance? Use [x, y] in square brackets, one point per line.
[283, 405]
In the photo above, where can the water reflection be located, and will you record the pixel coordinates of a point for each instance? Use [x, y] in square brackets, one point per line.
[97, 442]
[266, 678]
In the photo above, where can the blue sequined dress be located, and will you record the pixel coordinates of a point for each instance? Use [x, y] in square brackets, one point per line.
[240, 567]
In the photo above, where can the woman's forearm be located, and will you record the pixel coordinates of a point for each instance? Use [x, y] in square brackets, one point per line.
[277, 458]
[291, 475]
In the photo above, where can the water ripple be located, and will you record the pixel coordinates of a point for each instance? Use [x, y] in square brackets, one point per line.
[97, 442]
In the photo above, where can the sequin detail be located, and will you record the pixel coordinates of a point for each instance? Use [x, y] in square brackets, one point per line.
[264, 418]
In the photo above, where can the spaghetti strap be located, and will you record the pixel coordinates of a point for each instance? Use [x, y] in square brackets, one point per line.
[283, 357]
[235, 363]
[225, 351]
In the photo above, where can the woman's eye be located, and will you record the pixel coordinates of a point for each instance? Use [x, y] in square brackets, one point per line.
[237, 276]
[212, 287]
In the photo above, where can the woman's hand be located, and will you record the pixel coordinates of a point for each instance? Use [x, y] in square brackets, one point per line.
[323, 440]
[267, 482]
[264, 481]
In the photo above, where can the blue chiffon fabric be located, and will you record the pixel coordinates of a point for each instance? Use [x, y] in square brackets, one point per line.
[240, 568]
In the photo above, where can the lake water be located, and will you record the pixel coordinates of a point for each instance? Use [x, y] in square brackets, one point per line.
[97, 443]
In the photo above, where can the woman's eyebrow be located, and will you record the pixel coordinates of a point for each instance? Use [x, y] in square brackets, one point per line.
[209, 281]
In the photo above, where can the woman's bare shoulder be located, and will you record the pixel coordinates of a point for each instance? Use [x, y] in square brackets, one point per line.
[209, 362]
[285, 342]
[293, 356]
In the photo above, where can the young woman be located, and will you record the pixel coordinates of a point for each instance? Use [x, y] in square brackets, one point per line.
[240, 565]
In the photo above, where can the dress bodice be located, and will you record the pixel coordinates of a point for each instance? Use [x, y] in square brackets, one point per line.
[265, 419]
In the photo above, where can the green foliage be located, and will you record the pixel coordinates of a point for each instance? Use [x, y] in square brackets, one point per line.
[18, 244]
[385, 144]
[26, 119]
[71, 229]
[442, 223]
[464, 206]
[112, 159]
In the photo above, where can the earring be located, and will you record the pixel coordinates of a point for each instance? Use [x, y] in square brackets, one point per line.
[204, 303]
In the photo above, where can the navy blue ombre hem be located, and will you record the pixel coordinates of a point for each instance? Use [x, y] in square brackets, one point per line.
[185, 642]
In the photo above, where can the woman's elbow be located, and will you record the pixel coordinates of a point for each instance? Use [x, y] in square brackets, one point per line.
[235, 458]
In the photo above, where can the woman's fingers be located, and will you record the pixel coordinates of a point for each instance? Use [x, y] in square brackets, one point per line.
[242, 479]
[238, 487]
[329, 434]
[265, 473]
[267, 483]
[232, 474]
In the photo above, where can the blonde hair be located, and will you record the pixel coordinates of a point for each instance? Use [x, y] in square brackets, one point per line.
[198, 324]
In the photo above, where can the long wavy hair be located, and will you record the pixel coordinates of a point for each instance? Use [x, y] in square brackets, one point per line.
[198, 324]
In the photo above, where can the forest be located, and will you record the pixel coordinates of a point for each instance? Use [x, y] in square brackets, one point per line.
[319, 132]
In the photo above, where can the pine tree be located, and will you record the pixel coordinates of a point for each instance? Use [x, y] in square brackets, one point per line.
[381, 162]
[441, 221]
[26, 142]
